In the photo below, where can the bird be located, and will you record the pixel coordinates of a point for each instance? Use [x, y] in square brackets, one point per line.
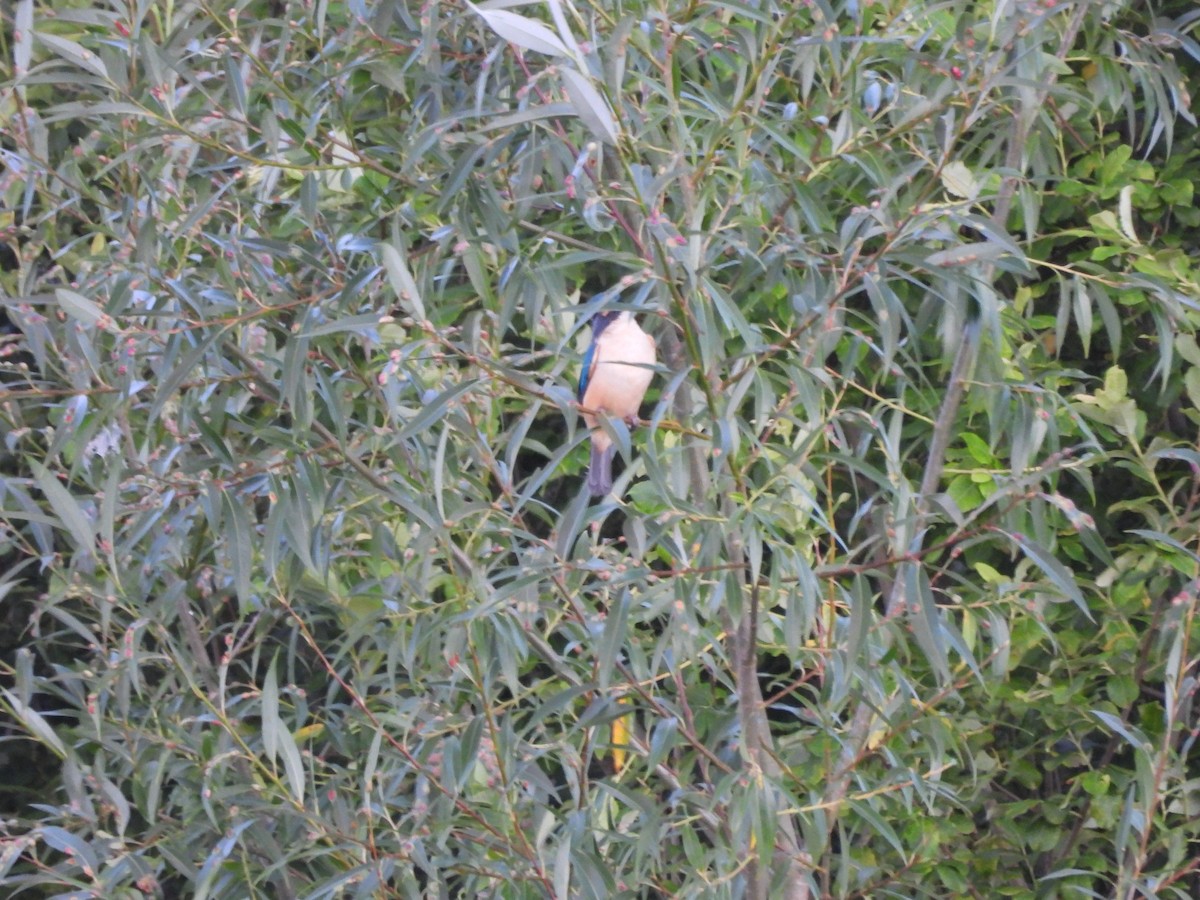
[617, 369]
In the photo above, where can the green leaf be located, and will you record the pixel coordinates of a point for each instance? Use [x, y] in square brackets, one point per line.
[402, 281]
[1132, 735]
[965, 254]
[81, 308]
[65, 842]
[959, 180]
[271, 723]
[182, 370]
[978, 448]
[589, 105]
[1058, 574]
[22, 36]
[220, 852]
[528, 34]
[240, 546]
[608, 652]
[34, 723]
[74, 53]
[925, 619]
[67, 508]
[434, 409]
[293, 765]
[277, 738]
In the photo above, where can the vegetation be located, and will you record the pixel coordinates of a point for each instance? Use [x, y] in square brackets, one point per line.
[896, 595]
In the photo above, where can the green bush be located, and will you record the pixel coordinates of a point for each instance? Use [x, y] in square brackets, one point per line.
[897, 590]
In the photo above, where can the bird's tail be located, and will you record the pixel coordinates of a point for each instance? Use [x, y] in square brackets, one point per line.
[600, 470]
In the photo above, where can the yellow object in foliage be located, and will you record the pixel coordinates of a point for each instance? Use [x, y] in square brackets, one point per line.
[620, 738]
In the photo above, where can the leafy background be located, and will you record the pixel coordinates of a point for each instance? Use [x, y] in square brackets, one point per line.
[301, 593]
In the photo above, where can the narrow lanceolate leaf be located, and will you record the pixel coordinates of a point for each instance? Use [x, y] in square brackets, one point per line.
[277, 739]
[964, 254]
[609, 649]
[924, 618]
[218, 855]
[181, 372]
[67, 508]
[1125, 213]
[564, 29]
[1137, 740]
[1166, 539]
[74, 53]
[71, 844]
[1060, 576]
[435, 409]
[528, 34]
[590, 105]
[240, 548]
[293, 766]
[1082, 305]
[14, 849]
[82, 309]
[71, 111]
[34, 723]
[532, 114]
[22, 36]
[271, 723]
[402, 281]
[366, 324]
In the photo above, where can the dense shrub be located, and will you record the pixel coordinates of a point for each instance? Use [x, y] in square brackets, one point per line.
[896, 594]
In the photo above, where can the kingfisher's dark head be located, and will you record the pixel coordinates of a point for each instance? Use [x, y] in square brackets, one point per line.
[602, 320]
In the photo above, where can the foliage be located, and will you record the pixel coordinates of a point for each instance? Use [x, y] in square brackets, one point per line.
[896, 595]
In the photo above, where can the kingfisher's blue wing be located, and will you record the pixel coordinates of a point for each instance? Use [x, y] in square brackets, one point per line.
[585, 371]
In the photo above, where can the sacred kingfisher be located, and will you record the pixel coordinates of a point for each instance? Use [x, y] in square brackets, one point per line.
[617, 369]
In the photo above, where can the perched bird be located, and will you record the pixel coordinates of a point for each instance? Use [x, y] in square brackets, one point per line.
[617, 369]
